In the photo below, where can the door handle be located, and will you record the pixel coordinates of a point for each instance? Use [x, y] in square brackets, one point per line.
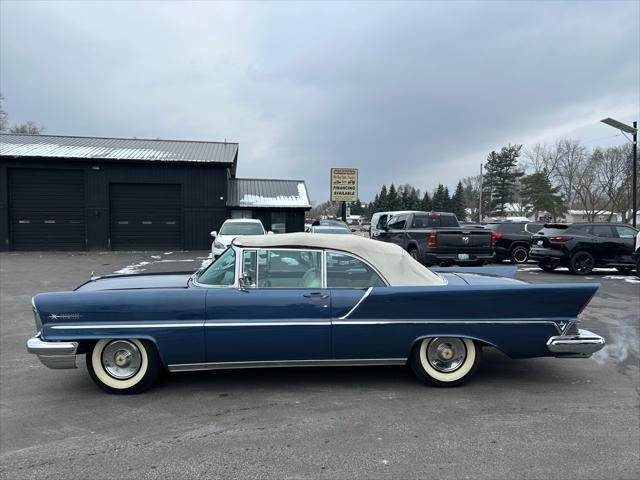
[316, 295]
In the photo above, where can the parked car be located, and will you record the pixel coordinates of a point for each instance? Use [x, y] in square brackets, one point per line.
[305, 300]
[513, 240]
[330, 229]
[230, 229]
[379, 221]
[436, 238]
[584, 246]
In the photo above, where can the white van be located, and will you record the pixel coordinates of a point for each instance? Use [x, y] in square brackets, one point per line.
[379, 221]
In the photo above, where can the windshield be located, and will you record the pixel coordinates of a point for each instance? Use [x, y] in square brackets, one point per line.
[222, 272]
[241, 228]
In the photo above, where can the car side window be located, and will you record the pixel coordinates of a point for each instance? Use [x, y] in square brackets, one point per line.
[382, 221]
[625, 232]
[603, 231]
[222, 272]
[420, 221]
[289, 268]
[448, 221]
[346, 271]
[397, 223]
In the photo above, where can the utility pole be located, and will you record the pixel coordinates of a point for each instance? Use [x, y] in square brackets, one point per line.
[634, 174]
[480, 206]
[344, 212]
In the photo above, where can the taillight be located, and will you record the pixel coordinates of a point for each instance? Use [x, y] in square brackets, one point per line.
[560, 239]
[433, 240]
[494, 236]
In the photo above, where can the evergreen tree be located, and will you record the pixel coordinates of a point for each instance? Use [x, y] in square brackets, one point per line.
[404, 192]
[356, 207]
[501, 178]
[414, 200]
[458, 203]
[383, 201]
[393, 201]
[426, 203]
[439, 200]
[446, 200]
[540, 196]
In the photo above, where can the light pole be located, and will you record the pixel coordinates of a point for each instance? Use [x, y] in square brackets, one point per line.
[634, 175]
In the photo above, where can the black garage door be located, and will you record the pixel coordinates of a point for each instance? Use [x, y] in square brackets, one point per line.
[46, 209]
[145, 216]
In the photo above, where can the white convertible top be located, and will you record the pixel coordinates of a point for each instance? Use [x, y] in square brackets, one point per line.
[395, 265]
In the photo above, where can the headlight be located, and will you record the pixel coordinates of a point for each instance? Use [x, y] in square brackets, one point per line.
[217, 244]
[36, 315]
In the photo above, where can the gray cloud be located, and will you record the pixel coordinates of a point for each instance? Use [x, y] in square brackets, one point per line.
[407, 92]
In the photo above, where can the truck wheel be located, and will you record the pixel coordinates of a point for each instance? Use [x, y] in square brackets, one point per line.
[414, 254]
[519, 254]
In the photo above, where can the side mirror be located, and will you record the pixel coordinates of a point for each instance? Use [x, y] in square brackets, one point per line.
[214, 234]
[269, 232]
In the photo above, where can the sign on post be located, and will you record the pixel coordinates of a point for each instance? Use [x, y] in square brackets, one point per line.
[344, 184]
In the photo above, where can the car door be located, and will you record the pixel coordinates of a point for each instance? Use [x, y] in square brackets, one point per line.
[350, 280]
[605, 246]
[396, 230]
[625, 243]
[278, 311]
[380, 232]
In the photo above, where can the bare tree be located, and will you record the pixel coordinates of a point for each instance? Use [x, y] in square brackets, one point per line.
[572, 158]
[589, 190]
[542, 158]
[613, 175]
[4, 116]
[27, 128]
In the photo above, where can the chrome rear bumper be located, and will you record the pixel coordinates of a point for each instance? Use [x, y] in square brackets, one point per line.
[582, 345]
[55, 355]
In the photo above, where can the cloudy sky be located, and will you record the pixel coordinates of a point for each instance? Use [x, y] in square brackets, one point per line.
[406, 92]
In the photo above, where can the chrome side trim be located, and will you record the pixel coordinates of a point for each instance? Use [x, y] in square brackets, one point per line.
[582, 345]
[353, 309]
[310, 323]
[127, 325]
[449, 322]
[190, 367]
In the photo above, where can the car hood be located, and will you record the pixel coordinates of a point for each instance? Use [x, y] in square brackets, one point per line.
[144, 280]
[225, 239]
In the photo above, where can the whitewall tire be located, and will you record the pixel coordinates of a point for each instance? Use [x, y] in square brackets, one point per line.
[123, 365]
[445, 361]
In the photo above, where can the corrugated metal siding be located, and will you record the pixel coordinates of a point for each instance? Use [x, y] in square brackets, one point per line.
[54, 146]
[267, 193]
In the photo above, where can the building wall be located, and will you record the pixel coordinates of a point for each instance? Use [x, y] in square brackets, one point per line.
[294, 217]
[203, 190]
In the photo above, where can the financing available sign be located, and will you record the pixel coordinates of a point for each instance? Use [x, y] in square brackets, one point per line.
[344, 184]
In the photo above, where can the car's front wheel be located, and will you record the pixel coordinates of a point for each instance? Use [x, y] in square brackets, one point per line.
[123, 366]
[445, 361]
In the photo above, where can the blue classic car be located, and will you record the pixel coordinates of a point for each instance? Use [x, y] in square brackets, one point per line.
[305, 300]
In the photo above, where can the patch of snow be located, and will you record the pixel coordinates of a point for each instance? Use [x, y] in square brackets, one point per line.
[632, 280]
[300, 200]
[132, 269]
[168, 253]
[156, 257]
[615, 277]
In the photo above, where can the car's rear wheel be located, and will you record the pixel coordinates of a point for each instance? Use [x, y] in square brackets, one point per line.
[123, 366]
[414, 254]
[519, 254]
[445, 361]
[547, 267]
[582, 263]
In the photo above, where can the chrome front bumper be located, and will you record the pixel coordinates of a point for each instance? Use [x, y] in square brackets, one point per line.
[582, 345]
[56, 355]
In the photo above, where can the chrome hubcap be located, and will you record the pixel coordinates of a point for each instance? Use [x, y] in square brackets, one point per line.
[121, 359]
[446, 354]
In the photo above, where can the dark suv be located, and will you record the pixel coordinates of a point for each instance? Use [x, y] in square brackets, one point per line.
[513, 239]
[584, 246]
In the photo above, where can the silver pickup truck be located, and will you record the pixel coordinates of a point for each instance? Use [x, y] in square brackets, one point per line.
[436, 238]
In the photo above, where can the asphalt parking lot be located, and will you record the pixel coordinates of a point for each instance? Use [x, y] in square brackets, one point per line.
[537, 418]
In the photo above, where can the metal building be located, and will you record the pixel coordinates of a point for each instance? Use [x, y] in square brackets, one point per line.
[90, 193]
